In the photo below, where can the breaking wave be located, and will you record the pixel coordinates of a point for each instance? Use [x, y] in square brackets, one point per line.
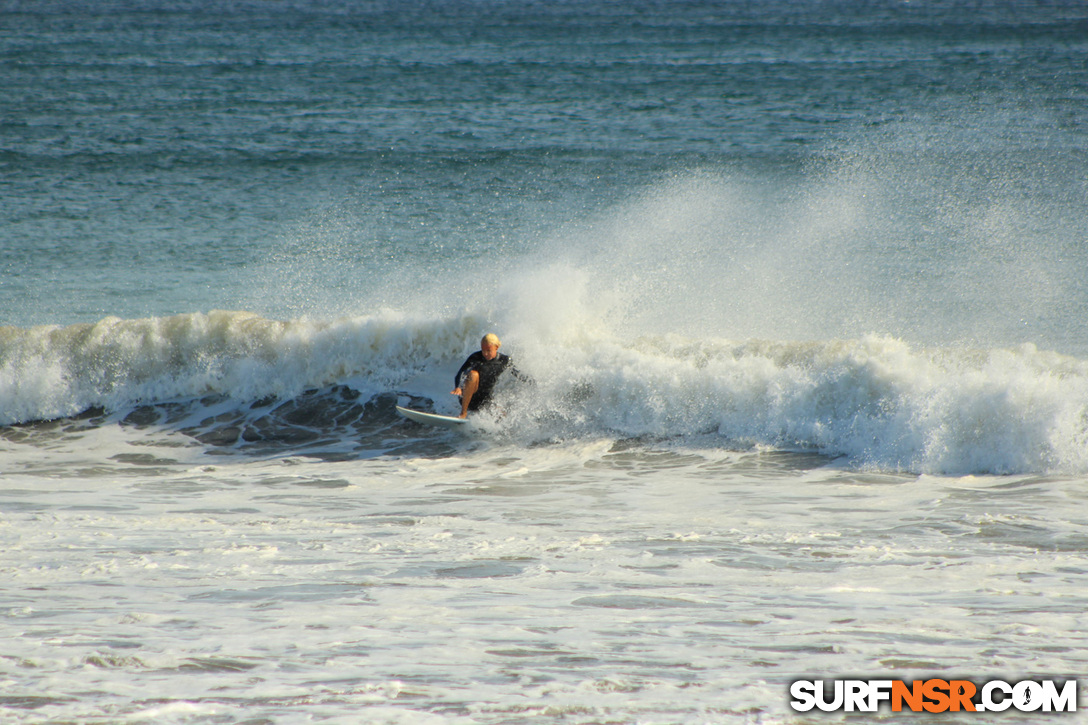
[875, 402]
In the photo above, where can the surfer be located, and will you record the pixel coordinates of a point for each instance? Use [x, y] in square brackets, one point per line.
[478, 375]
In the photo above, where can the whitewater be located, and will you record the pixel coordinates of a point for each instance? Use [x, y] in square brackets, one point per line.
[873, 403]
[796, 290]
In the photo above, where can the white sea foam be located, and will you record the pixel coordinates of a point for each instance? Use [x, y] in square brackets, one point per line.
[876, 402]
[604, 583]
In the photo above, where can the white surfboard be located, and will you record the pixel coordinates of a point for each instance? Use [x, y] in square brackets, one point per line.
[442, 421]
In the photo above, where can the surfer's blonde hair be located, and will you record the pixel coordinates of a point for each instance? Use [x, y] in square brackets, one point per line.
[490, 339]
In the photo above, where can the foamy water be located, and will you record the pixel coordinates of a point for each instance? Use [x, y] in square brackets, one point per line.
[602, 579]
[875, 403]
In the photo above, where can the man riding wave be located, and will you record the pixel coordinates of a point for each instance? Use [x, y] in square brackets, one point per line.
[476, 378]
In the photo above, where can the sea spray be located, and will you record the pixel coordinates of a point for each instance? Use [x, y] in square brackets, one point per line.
[871, 239]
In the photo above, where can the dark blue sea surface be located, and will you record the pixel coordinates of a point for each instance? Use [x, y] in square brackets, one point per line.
[288, 157]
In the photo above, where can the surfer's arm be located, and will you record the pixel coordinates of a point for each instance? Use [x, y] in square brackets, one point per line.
[460, 373]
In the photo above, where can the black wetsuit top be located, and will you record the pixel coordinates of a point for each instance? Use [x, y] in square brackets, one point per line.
[489, 370]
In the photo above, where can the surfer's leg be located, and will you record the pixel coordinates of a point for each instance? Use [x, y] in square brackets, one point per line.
[468, 388]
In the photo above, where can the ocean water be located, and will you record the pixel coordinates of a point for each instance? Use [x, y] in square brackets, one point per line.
[800, 287]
